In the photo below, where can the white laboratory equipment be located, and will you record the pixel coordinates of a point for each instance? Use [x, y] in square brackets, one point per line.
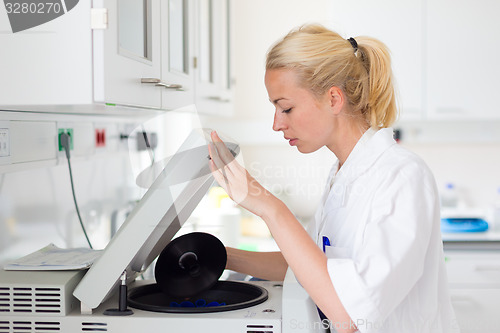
[496, 212]
[449, 196]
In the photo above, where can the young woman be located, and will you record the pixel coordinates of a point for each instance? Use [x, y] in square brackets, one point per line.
[375, 261]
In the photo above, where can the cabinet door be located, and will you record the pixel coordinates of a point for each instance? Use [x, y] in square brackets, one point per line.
[463, 70]
[49, 64]
[213, 75]
[177, 51]
[398, 24]
[127, 52]
[473, 270]
[476, 310]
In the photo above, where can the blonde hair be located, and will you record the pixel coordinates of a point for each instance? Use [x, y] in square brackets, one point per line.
[322, 59]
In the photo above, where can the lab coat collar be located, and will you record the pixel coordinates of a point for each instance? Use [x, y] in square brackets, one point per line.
[369, 148]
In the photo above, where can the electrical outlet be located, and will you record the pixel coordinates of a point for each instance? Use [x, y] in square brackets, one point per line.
[100, 137]
[4, 142]
[68, 131]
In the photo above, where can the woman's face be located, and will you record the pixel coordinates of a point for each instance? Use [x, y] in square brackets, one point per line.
[306, 121]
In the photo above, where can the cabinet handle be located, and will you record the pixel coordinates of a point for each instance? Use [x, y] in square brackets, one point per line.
[483, 268]
[450, 111]
[160, 83]
[462, 299]
[219, 99]
[169, 85]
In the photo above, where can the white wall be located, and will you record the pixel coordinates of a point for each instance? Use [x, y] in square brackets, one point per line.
[257, 25]
[295, 178]
[473, 168]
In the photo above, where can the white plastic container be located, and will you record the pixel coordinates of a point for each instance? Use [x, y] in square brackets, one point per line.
[449, 196]
[496, 212]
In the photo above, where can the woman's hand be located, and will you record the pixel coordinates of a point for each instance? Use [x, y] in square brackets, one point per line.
[235, 179]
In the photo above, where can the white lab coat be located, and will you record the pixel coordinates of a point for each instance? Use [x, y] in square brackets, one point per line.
[385, 258]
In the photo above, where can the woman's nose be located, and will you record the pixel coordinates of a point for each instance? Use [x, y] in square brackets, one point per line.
[279, 122]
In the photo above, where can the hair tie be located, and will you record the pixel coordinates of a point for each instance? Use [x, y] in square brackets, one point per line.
[354, 44]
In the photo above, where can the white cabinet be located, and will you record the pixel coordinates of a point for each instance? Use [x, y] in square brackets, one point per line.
[442, 50]
[178, 28]
[48, 64]
[168, 54]
[473, 270]
[398, 24]
[474, 279]
[128, 51]
[148, 53]
[462, 39]
[144, 55]
[213, 76]
[476, 310]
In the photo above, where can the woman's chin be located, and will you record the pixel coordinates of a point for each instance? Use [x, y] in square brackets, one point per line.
[305, 149]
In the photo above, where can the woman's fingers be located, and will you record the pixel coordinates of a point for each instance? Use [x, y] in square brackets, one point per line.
[214, 156]
[218, 175]
[219, 170]
[221, 156]
[227, 171]
[221, 148]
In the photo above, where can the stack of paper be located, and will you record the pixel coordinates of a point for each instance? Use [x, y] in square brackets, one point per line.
[52, 258]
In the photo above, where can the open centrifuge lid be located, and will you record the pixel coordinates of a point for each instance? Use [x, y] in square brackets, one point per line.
[162, 211]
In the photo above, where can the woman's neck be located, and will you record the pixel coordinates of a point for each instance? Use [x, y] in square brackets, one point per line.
[345, 139]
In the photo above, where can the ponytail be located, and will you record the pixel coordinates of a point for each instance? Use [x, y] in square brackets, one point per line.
[381, 107]
[361, 67]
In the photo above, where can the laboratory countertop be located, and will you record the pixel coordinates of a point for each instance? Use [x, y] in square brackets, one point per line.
[474, 241]
[472, 236]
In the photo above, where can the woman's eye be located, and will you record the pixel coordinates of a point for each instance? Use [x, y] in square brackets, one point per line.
[287, 110]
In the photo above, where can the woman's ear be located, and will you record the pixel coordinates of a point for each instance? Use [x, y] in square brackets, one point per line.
[336, 98]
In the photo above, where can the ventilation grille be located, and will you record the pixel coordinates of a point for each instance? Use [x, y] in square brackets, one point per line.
[94, 327]
[28, 326]
[30, 300]
[4, 299]
[260, 329]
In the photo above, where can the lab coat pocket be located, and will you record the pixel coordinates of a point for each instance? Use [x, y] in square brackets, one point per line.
[335, 252]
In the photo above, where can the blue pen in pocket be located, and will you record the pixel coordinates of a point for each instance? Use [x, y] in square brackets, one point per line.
[326, 242]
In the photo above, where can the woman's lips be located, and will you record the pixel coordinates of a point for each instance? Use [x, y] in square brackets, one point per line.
[292, 142]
